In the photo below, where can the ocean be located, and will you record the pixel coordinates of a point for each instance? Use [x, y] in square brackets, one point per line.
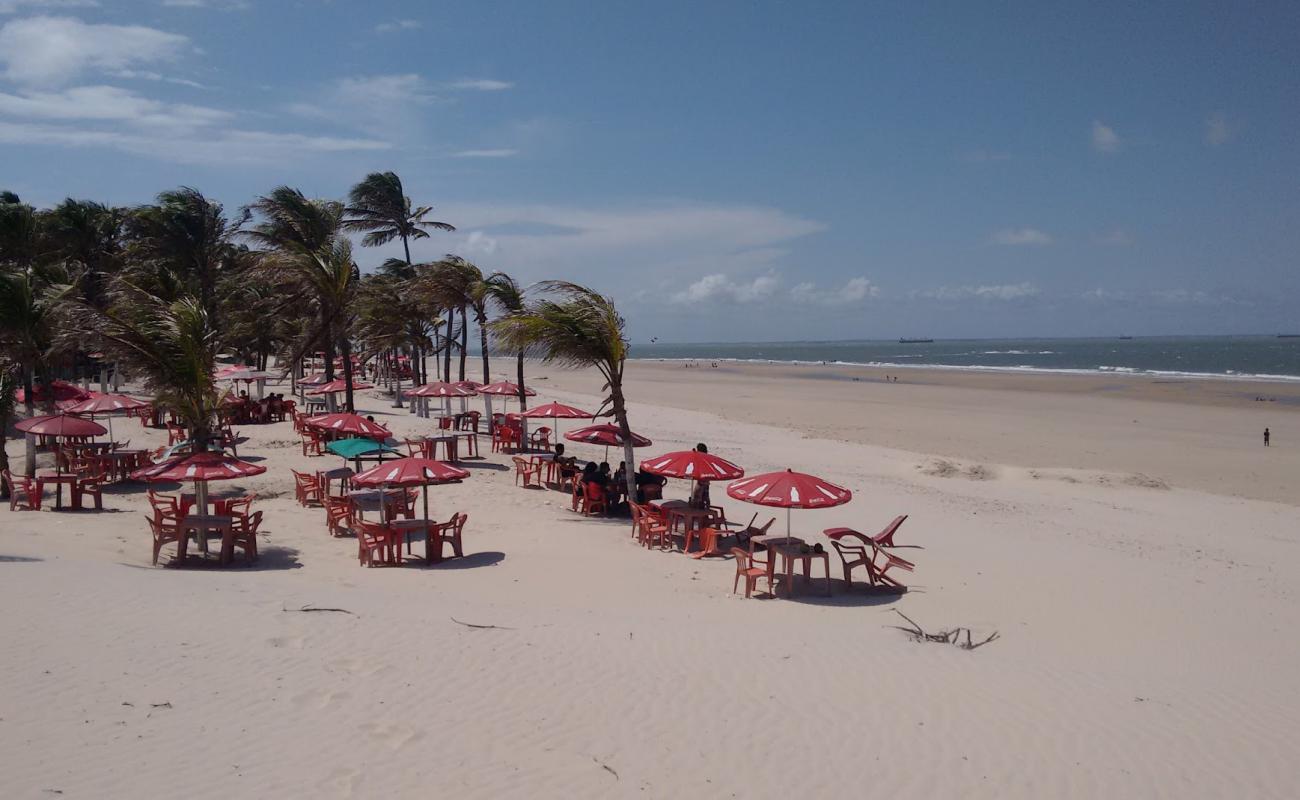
[1242, 357]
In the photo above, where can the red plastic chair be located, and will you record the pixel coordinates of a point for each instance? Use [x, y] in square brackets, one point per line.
[22, 492]
[166, 532]
[593, 500]
[858, 550]
[339, 519]
[90, 482]
[540, 438]
[375, 539]
[448, 532]
[306, 488]
[242, 534]
[530, 471]
[751, 570]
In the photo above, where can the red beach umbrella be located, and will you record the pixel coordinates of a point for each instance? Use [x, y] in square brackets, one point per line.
[694, 465]
[439, 389]
[789, 490]
[60, 426]
[409, 472]
[473, 386]
[505, 388]
[200, 468]
[106, 404]
[313, 380]
[607, 435]
[336, 386]
[557, 411]
[422, 472]
[62, 390]
[353, 424]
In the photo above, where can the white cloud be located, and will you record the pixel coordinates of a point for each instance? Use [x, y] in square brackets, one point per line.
[398, 25]
[855, 290]
[480, 84]
[501, 152]
[1012, 291]
[224, 5]
[48, 51]
[1104, 138]
[147, 75]
[1217, 129]
[1116, 238]
[719, 288]
[108, 103]
[1021, 236]
[203, 146]
[480, 242]
[384, 106]
[13, 6]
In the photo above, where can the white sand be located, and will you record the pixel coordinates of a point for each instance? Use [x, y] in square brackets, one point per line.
[1147, 646]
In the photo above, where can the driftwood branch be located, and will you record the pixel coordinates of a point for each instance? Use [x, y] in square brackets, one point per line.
[309, 607]
[953, 636]
[480, 627]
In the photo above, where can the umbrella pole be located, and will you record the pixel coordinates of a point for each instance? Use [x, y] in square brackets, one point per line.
[428, 542]
[787, 523]
[201, 502]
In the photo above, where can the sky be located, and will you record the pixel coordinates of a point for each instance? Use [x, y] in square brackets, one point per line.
[726, 171]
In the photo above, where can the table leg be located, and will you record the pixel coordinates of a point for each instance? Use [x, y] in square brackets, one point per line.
[826, 567]
[789, 577]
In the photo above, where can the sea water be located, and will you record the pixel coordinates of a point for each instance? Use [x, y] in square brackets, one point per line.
[1242, 357]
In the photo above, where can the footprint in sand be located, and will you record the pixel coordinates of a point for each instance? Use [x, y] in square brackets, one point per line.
[394, 736]
[320, 699]
[355, 666]
[287, 642]
[343, 780]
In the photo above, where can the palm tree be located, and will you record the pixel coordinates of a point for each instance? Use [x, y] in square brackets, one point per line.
[329, 277]
[183, 244]
[172, 344]
[379, 207]
[453, 284]
[503, 292]
[301, 231]
[578, 328]
[8, 388]
[87, 237]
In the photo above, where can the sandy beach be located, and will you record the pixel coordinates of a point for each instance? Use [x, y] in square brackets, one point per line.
[1132, 542]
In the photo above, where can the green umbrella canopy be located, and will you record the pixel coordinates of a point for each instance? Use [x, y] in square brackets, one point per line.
[353, 448]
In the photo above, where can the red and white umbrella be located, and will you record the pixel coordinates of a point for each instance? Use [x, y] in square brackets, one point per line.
[352, 424]
[556, 411]
[107, 404]
[693, 465]
[62, 390]
[200, 468]
[423, 472]
[439, 389]
[336, 386]
[505, 388]
[473, 386]
[313, 380]
[60, 426]
[789, 490]
[607, 435]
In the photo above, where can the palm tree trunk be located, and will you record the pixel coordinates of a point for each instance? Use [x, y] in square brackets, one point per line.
[620, 415]
[28, 400]
[406, 246]
[464, 339]
[523, 395]
[396, 366]
[347, 372]
[446, 352]
[482, 335]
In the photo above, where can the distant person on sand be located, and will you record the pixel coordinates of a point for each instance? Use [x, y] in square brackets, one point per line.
[1266, 437]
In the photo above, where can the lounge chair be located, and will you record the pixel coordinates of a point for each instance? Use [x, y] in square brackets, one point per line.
[22, 492]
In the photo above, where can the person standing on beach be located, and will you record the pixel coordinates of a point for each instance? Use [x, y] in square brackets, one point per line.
[1266, 437]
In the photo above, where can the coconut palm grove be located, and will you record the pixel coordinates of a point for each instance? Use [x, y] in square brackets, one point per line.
[160, 292]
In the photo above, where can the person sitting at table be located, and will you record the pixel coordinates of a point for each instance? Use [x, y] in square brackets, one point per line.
[603, 473]
[568, 467]
[649, 486]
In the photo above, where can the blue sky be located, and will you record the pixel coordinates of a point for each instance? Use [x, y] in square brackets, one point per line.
[726, 171]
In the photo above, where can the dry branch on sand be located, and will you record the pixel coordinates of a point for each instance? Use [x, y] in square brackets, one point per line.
[944, 637]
